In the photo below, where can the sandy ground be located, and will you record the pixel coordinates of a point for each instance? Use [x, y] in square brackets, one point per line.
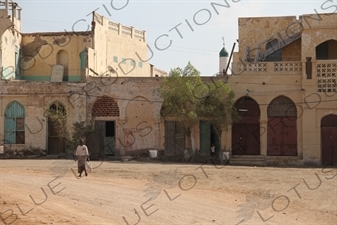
[48, 192]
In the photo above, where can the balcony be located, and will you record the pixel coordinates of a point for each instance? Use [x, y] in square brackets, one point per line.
[267, 68]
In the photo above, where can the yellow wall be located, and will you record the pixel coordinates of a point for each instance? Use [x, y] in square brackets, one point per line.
[40, 53]
[291, 81]
[117, 40]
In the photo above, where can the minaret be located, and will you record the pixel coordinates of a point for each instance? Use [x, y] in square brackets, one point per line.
[223, 58]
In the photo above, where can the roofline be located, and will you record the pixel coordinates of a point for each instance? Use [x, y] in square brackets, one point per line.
[57, 33]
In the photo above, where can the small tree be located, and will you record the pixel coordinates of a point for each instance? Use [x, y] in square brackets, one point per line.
[57, 116]
[218, 108]
[180, 101]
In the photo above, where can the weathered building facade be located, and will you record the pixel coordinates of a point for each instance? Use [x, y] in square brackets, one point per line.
[97, 77]
[284, 78]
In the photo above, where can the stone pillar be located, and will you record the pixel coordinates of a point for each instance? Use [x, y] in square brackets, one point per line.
[157, 134]
[6, 7]
[227, 144]
[19, 14]
[263, 137]
[120, 136]
[263, 129]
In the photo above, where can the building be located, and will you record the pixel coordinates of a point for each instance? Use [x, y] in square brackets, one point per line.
[285, 80]
[284, 77]
[98, 76]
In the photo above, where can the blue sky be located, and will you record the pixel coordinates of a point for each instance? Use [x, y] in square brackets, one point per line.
[201, 46]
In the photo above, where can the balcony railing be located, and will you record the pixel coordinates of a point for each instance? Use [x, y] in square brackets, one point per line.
[326, 71]
[270, 68]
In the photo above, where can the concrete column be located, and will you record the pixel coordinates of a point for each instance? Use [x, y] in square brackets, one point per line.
[19, 14]
[263, 129]
[157, 134]
[120, 135]
[6, 7]
[263, 137]
[13, 12]
[304, 75]
[227, 144]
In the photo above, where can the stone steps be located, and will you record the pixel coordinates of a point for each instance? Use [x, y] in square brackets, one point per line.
[248, 160]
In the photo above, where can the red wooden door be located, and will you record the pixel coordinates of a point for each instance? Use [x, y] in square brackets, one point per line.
[246, 132]
[282, 136]
[329, 140]
[246, 139]
[329, 146]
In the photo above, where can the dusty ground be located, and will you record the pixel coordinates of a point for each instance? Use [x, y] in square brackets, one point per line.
[47, 192]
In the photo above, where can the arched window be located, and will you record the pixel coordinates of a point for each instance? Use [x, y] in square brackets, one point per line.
[15, 123]
[327, 50]
[62, 58]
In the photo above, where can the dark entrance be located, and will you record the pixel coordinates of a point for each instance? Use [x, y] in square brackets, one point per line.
[282, 131]
[246, 132]
[208, 137]
[103, 141]
[56, 129]
[174, 138]
[329, 140]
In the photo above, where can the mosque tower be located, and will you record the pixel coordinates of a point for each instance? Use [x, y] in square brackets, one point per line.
[223, 58]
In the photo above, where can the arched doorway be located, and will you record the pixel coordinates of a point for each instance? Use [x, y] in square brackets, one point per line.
[246, 132]
[105, 111]
[329, 140]
[282, 131]
[57, 128]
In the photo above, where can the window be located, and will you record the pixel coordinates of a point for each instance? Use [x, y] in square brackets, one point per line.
[115, 59]
[15, 123]
[132, 62]
[327, 50]
[110, 129]
[140, 64]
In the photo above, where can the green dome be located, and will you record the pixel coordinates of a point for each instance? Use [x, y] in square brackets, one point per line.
[223, 52]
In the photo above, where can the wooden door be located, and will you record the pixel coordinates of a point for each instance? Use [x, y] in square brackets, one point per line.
[282, 136]
[329, 140]
[244, 141]
[174, 138]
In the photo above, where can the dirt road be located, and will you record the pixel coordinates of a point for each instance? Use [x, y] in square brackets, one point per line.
[48, 192]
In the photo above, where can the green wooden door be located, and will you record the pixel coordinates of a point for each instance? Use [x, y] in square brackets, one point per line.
[205, 138]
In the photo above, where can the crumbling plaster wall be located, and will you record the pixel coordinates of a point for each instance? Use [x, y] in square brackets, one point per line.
[39, 53]
[36, 98]
[139, 124]
[257, 31]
